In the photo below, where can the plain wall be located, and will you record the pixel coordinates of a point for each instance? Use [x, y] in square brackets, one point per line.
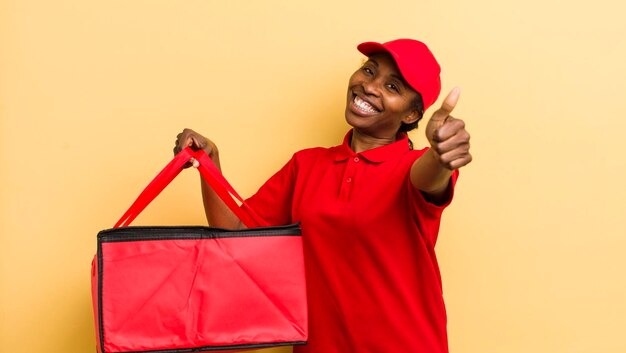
[93, 93]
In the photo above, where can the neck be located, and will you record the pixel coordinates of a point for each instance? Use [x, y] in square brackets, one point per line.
[362, 142]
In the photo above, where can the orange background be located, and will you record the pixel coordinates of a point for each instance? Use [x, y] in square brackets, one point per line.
[93, 93]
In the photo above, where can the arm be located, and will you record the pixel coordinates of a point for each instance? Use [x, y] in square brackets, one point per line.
[217, 213]
[449, 150]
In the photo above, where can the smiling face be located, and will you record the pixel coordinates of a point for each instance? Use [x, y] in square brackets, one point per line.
[379, 99]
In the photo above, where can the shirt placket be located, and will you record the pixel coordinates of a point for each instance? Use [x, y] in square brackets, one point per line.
[349, 178]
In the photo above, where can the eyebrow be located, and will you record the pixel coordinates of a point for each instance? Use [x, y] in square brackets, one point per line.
[397, 77]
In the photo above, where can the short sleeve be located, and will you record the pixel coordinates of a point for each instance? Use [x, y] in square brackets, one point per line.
[273, 201]
[428, 214]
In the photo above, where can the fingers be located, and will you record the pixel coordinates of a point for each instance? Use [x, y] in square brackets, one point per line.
[451, 144]
[449, 128]
[183, 140]
[189, 138]
[456, 157]
[457, 163]
[197, 142]
[441, 116]
[449, 103]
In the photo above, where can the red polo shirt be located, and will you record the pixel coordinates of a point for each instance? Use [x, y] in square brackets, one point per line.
[369, 236]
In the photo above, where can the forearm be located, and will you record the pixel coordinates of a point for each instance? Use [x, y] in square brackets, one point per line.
[430, 176]
[217, 212]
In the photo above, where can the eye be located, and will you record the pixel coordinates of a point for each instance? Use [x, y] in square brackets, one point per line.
[393, 87]
[367, 70]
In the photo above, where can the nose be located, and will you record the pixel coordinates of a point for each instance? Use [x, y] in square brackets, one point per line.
[371, 87]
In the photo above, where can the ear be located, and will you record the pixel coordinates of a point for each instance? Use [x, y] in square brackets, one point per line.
[412, 117]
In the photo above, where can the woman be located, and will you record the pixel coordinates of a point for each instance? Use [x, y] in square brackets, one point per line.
[369, 208]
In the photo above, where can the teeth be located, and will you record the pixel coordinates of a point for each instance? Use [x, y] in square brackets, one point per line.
[363, 105]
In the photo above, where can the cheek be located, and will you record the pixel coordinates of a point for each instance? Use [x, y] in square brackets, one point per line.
[400, 104]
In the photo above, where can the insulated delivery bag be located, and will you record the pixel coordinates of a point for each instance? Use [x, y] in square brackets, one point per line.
[193, 288]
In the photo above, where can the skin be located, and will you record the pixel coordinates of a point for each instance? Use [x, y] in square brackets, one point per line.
[379, 83]
[449, 142]
[379, 87]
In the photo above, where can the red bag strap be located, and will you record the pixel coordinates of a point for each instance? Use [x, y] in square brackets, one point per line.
[155, 187]
[226, 192]
[209, 173]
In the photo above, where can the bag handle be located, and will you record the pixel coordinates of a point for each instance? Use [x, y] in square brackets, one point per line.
[211, 175]
[216, 180]
[155, 187]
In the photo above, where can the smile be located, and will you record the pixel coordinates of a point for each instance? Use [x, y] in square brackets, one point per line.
[364, 106]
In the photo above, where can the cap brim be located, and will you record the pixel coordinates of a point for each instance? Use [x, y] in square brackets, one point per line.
[368, 48]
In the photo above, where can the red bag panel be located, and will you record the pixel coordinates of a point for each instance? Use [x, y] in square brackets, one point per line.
[177, 294]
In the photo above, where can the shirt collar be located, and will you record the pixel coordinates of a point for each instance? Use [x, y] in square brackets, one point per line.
[375, 155]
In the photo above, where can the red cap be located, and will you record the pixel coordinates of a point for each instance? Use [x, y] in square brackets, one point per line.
[416, 63]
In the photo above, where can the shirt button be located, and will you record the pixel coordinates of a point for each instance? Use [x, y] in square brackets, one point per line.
[356, 159]
[348, 180]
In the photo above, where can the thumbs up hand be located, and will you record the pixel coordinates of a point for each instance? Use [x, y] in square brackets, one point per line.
[447, 136]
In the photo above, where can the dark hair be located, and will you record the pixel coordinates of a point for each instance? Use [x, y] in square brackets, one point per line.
[417, 104]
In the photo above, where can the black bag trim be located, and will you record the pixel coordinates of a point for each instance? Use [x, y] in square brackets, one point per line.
[143, 233]
[217, 348]
[100, 320]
